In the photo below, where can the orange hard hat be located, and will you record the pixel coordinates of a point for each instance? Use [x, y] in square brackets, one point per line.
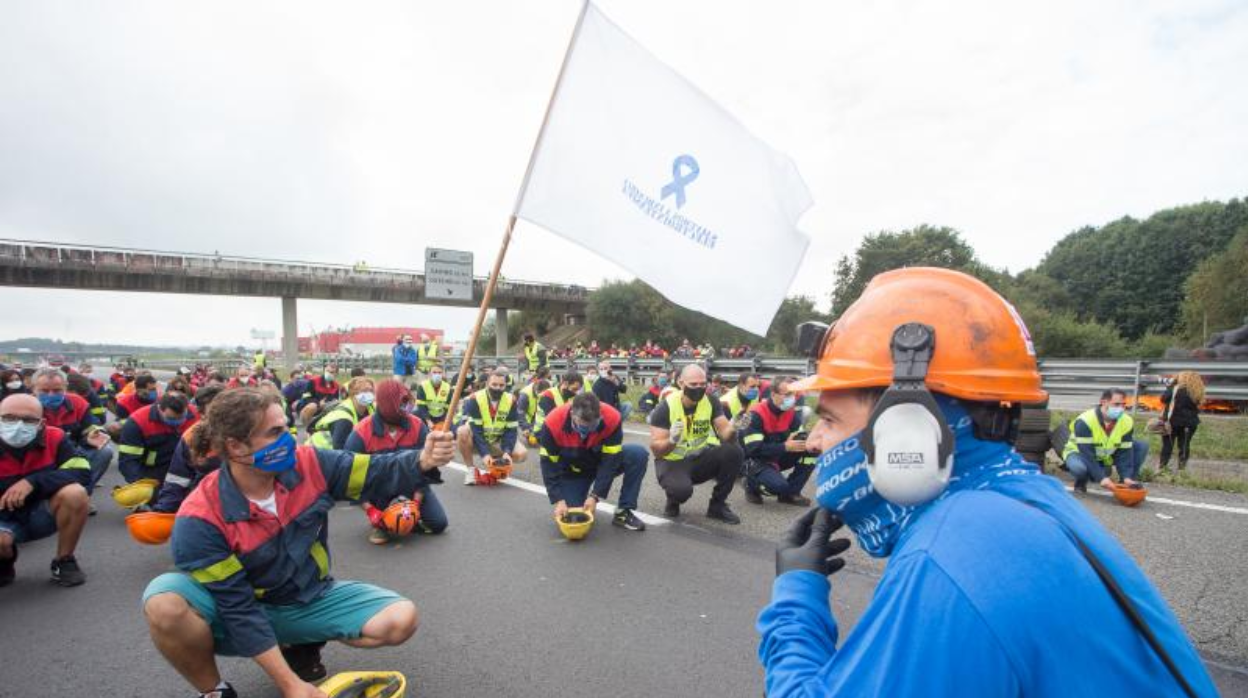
[150, 527]
[1130, 496]
[983, 351]
[401, 517]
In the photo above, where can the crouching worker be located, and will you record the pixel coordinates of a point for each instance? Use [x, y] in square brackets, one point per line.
[491, 429]
[251, 542]
[393, 428]
[43, 489]
[582, 452]
[193, 459]
[773, 443]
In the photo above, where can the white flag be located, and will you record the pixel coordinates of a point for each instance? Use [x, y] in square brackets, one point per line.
[637, 165]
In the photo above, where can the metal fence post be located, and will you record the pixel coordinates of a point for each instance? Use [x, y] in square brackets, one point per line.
[1135, 399]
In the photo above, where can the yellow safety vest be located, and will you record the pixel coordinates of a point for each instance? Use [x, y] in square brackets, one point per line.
[530, 353]
[426, 354]
[699, 431]
[1106, 445]
[259, 360]
[495, 425]
[321, 436]
[530, 407]
[555, 394]
[434, 399]
[732, 402]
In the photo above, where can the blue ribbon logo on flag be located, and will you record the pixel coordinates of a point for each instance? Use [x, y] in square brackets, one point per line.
[680, 180]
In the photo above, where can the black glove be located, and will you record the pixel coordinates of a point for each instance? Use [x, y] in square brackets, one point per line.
[809, 545]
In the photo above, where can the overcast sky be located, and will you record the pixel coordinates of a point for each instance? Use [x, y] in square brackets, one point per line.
[367, 131]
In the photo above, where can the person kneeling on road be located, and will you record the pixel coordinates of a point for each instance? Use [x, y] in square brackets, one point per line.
[691, 440]
[1100, 439]
[394, 429]
[251, 544]
[491, 429]
[43, 489]
[773, 444]
[583, 451]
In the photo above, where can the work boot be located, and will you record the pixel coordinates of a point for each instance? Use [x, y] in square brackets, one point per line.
[225, 690]
[305, 660]
[66, 572]
[627, 520]
[796, 500]
[722, 512]
[378, 537]
[753, 497]
[1081, 486]
[8, 569]
[672, 508]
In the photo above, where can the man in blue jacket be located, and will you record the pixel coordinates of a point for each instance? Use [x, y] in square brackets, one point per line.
[994, 583]
[404, 355]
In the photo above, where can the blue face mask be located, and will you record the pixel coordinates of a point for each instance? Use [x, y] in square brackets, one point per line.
[174, 421]
[751, 394]
[52, 401]
[151, 396]
[845, 488]
[18, 434]
[1114, 413]
[788, 403]
[662, 381]
[277, 457]
[584, 430]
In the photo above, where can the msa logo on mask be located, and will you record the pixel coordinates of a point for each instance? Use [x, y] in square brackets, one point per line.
[905, 459]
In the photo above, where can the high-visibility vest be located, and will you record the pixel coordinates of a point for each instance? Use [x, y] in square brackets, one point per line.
[540, 418]
[530, 353]
[321, 436]
[426, 354]
[530, 406]
[699, 431]
[258, 360]
[434, 399]
[1106, 445]
[732, 402]
[494, 425]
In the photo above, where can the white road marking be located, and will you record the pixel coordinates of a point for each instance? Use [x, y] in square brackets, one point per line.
[1178, 503]
[604, 507]
[637, 431]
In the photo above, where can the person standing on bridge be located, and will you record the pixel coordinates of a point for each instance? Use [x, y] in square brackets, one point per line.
[403, 356]
[534, 355]
[72, 414]
[582, 452]
[920, 383]
[252, 547]
[392, 429]
[43, 489]
[691, 440]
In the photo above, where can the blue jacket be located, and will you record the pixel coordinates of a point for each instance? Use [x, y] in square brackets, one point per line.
[985, 594]
[404, 357]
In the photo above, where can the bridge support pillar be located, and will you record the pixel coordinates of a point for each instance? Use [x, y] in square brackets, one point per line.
[500, 332]
[290, 333]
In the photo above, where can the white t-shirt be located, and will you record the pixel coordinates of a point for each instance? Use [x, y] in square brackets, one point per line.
[269, 503]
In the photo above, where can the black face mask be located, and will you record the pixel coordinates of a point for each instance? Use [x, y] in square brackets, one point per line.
[568, 394]
[496, 395]
[695, 394]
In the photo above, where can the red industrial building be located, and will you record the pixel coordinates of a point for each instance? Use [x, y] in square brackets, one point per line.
[362, 341]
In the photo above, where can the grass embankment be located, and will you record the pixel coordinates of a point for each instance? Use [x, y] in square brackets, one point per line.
[1219, 438]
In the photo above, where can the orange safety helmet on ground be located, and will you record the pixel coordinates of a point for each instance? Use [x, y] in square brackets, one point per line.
[983, 351]
[1130, 496]
[150, 527]
[401, 517]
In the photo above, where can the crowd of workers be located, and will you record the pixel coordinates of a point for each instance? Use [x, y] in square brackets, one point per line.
[648, 350]
[215, 462]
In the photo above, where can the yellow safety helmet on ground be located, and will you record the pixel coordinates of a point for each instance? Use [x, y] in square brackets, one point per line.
[575, 524]
[135, 494]
[365, 684]
[150, 527]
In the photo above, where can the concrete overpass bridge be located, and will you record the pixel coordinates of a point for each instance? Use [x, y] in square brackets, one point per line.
[54, 265]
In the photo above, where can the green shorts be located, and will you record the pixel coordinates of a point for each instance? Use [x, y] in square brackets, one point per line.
[338, 614]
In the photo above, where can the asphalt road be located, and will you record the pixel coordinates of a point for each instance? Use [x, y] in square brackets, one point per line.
[509, 608]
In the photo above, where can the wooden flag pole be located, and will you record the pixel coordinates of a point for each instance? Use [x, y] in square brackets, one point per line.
[492, 282]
